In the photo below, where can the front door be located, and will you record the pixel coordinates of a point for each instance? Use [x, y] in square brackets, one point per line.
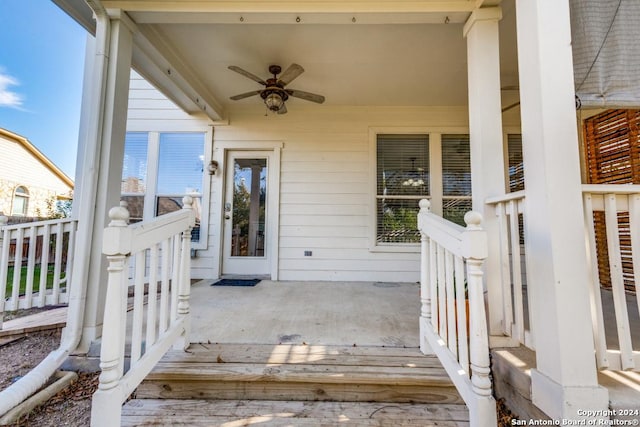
[247, 214]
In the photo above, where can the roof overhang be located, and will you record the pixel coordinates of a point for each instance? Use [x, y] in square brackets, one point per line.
[356, 52]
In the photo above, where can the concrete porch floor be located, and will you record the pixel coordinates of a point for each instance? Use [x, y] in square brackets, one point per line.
[327, 313]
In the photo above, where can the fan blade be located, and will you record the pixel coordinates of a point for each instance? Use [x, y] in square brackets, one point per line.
[247, 74]
[306, 95]
[246, 95]
[290, 74]
[283, 109]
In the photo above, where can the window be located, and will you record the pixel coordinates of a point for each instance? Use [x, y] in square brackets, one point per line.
[159, 169]
[134, 174]
[20, 201]
[180, 172]
[410, 167]
[456, 177]
[402, 180]
[516, 163]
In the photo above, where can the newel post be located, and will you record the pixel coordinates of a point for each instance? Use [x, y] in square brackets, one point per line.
[475, 252]
[184, 286]
[107, 401]
[425, 285]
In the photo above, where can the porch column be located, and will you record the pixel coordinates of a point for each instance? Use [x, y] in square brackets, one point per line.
[104, 126]
[485, 128]
[565, 379]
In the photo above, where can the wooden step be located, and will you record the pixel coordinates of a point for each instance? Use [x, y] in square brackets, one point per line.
[300, 372]
[271, 413]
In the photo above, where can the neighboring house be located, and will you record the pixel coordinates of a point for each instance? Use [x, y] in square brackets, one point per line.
[30, 184]
[468, 103]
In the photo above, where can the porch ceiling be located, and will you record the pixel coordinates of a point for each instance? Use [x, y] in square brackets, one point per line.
[406, 56]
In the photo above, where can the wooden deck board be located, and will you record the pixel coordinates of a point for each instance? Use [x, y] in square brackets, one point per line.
[48, 319]
[304, 354]
[290, 413]
[300, 372]
[298, 391]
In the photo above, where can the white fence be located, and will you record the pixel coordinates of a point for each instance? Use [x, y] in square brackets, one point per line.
[160, 253]
[36, 260]
[452, 260]
[515, 311]
[612, 216]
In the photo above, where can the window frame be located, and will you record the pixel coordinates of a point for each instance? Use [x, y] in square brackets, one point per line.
[151, 190]
[24, 196]
[435, 178]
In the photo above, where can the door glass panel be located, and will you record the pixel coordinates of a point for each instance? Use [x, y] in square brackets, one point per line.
[249, 202]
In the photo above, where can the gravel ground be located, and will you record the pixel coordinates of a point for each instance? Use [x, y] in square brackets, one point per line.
[70, 407]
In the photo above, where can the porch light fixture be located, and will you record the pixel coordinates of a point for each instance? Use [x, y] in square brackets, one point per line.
[274, 101]
[212, 167]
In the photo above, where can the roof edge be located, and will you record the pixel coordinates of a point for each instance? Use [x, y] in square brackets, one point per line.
[38, 155]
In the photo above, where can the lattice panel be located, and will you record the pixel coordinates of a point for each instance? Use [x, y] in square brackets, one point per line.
[612, 153]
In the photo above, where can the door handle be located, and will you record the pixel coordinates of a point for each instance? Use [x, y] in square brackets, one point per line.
[227, 217]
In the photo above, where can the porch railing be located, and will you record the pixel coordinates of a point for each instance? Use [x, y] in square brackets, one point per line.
[159, 253]
[36, 261]
[515, 311]
[452, 259]
[612, 216]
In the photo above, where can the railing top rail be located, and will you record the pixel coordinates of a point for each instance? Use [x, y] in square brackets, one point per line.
[611, 188]
[122, 238]
[37, 223]
[456, 239]
[516, 195]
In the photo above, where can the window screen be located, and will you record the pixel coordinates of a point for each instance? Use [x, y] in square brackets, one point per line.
[456, 177]
[402, 180]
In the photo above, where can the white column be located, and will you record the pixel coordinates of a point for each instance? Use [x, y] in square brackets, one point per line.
[565, 379]
[485, 128]
[102, 164]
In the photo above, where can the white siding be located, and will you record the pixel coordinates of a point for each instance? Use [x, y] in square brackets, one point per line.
[149, 110]
[327, 189]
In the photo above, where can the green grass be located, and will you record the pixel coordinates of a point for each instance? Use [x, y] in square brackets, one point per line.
[23, 279]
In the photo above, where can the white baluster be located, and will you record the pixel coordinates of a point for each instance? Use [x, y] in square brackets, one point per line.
[475, 248]
[44, 266]
[57, 266]
[17, 270]
[152, 299]
[425, 286]
[31, 265]
[4, 262]
[184, 287]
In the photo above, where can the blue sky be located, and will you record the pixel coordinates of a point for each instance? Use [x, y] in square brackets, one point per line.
[41, 69]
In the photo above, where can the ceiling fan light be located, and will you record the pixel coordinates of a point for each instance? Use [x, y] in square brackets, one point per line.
[273, 101]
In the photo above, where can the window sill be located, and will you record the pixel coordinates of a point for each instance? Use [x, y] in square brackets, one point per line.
[397, 248]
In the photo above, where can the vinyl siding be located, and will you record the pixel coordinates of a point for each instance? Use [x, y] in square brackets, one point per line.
[327, 189]
[18, 167]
